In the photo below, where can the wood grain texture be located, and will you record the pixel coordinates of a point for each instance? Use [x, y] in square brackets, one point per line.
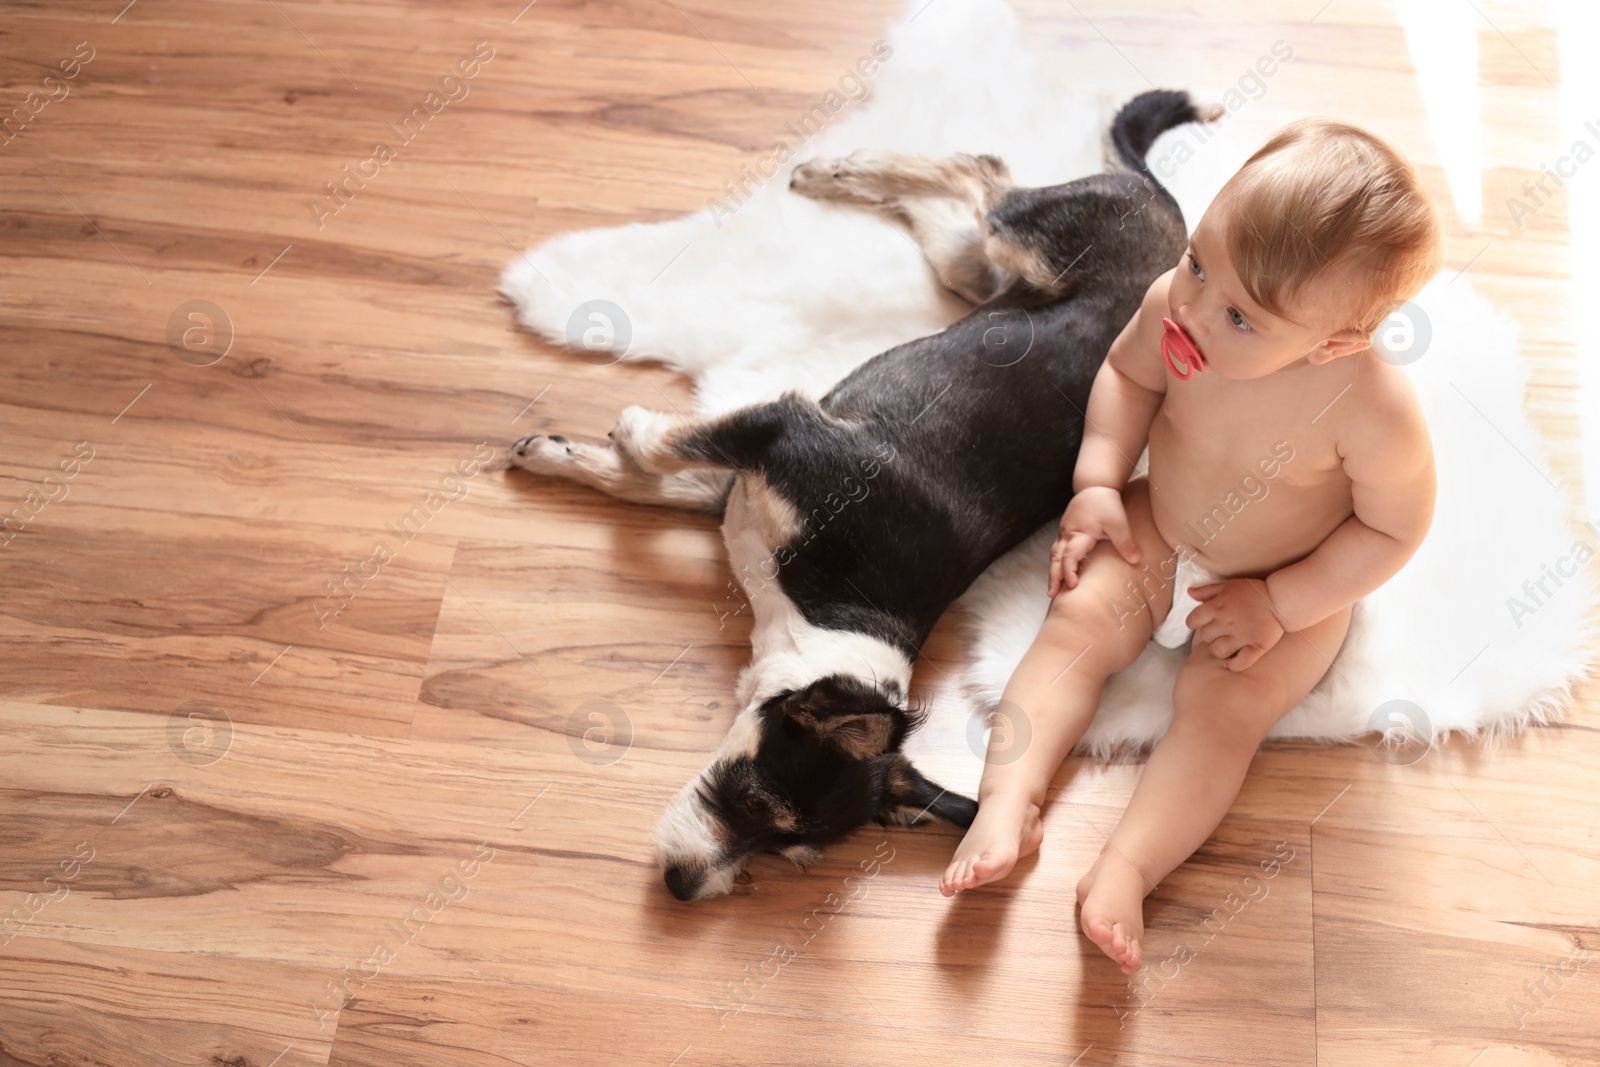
[239, 827]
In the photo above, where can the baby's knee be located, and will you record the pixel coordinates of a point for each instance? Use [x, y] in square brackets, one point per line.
[1082, 620]
[1094, 604]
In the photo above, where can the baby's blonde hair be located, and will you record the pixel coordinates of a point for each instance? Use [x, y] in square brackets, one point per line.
[1325, 200]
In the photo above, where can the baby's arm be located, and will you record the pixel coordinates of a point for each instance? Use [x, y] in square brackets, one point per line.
[1126, 394]
[1123, 399]
[1388, 456]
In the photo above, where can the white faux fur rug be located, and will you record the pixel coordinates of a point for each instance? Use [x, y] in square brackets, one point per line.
[764, 291]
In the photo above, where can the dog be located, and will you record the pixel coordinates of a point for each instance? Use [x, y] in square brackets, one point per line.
[852, 522]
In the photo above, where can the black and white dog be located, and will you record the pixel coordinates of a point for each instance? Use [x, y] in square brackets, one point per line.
[969, 438]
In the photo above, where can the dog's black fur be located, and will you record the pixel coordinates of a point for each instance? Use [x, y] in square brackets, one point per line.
[981, 423]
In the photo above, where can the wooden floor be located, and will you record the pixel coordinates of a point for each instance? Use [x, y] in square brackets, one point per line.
[272, 795]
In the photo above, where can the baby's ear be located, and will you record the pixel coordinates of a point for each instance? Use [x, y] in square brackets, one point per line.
[1343, 343]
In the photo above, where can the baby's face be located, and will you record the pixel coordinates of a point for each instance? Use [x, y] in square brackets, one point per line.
[1237, 337]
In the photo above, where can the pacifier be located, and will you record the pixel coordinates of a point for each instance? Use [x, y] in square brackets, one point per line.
[1174, 342]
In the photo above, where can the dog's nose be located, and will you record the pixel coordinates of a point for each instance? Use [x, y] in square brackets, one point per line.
[681, 883]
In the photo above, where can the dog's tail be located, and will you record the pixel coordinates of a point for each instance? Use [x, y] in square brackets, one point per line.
[1143, 119]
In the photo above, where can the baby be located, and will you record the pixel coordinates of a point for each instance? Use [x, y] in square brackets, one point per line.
[1249, 360]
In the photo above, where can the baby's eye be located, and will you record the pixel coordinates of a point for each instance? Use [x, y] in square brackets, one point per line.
[1237, 319]
[1194, 266]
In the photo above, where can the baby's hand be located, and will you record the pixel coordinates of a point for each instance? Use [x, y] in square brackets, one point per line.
[1094, 514]
[1236, 618]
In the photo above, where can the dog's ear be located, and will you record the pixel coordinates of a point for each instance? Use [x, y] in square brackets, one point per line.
[854, 718]
[910, 799]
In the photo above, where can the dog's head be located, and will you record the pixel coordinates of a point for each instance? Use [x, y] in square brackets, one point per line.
[796, 773]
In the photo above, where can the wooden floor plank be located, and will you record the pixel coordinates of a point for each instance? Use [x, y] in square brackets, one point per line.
[65, 1003]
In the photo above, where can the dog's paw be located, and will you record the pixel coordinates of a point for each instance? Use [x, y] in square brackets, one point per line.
[847, 178]
[545, 453]
[817, 178]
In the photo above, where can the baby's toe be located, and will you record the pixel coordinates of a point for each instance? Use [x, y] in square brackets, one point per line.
[951, 881]
[987, 867]
[1098, 930]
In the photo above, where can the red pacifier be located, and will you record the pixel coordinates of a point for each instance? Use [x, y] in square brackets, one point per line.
[1176, 343]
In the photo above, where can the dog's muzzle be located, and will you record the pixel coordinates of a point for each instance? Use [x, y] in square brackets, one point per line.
[683, 882]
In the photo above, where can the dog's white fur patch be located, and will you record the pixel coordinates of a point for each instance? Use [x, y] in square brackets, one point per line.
[686, 836]
[641, 433]
[802, 856]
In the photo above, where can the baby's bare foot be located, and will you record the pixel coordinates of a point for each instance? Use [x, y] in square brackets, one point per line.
[1111, 909]
[1006, 829]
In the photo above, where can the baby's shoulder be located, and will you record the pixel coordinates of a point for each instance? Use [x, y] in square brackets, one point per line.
[1383, 412]
[1384, 387]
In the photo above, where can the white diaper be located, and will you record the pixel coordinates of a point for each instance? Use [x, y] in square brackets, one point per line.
[1172, 633]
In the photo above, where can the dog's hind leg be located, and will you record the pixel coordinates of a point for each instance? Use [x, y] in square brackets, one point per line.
[609, 469]
[942, 201]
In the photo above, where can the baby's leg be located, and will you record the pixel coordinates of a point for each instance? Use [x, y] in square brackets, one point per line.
[1090, 631]
[1194, 774]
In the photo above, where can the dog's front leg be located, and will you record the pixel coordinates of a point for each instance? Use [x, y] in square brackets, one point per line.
[884, 178]
[605, 468]
[943, 201]
[653, 440]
